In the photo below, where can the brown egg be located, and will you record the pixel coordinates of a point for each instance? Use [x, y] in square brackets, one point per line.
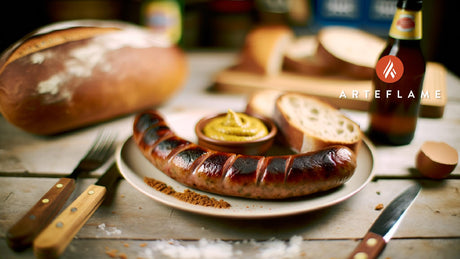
[436, 159]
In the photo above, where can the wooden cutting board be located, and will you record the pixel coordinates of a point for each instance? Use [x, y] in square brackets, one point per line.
[342, 93]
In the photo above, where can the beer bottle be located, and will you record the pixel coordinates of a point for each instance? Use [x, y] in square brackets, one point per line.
[398, 78]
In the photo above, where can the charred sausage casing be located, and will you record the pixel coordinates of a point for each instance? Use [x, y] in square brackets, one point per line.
[256, 177]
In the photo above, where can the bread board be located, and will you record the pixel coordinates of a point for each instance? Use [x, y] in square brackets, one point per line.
[333, 89]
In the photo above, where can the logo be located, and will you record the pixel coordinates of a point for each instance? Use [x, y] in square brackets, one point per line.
[405, 23]
[389, 69]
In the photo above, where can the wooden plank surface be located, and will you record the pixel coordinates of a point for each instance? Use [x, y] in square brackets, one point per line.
[139, 217]
[343, 93]
[306, 249]
[129, 215]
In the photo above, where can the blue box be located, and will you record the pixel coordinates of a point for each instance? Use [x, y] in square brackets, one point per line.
[371, 15]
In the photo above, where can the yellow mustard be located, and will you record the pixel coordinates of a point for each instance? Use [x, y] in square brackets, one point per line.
[235, 127]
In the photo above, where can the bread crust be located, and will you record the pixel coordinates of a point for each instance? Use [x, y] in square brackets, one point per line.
[342, 65]
[260, 103]
[264, 49]
[338, 65]
[301, 58]
[87, 78]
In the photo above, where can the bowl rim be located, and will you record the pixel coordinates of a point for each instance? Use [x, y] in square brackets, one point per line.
[273, 130]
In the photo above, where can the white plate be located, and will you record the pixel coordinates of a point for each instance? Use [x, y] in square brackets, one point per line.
[134, 167]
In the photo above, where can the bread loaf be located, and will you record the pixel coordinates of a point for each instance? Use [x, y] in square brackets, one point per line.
[264, 49]
[309, 124]
[350, 51]
[72, 74]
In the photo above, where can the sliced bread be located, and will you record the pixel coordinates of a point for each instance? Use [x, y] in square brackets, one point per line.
[309, 124]
[264, 49]
[263, 103]
[301, 57]
[351, 51]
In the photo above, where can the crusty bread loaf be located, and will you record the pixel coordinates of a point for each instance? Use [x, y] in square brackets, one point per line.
[350, 51]
[264, 49]
[301, 57]
[309, 124]
[72, 74]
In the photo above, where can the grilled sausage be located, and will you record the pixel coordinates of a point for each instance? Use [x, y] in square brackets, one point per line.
[256, 177]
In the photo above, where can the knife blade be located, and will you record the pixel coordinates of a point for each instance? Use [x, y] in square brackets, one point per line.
[53, 240]
[386, 225]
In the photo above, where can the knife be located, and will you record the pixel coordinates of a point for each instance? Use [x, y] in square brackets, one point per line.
[22, 233]
[54, 239]
[385, 226]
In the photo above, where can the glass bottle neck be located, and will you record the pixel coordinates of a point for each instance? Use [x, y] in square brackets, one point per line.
[404, 42]
[406, 25]
[412, 5]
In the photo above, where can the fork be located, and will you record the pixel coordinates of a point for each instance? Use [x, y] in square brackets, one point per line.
[23, 232]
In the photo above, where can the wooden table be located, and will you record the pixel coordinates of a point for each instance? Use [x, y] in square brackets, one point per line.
[133, 225]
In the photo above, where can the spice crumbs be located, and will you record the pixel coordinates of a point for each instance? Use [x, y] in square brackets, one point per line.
[187, 195]
[379, 206]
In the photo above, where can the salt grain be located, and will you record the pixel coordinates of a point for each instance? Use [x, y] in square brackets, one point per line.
[219, 249]
[204, 249]
[109, 230]
[280, 249]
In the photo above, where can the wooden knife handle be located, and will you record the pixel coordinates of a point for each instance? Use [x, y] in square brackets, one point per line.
[23, 232]
[370, 247]
[55, 238]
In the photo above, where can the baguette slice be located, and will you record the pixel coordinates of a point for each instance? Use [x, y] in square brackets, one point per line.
[262, 103]
[264, 49]
[351, 51]
[301, 57]
[309, 124]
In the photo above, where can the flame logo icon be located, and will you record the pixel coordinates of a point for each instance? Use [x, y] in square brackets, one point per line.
[389, 69]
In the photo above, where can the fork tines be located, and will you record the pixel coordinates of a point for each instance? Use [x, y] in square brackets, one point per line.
[103, 146]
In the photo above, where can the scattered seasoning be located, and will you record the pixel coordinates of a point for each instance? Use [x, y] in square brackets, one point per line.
[187, 195]
[112, 253]
[379, 206]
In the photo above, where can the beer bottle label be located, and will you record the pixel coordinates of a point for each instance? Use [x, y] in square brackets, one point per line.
[407, 25]
[164, 19]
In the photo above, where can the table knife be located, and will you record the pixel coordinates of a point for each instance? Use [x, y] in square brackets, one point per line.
[21, 234]
[53, 240]
[385, 226]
